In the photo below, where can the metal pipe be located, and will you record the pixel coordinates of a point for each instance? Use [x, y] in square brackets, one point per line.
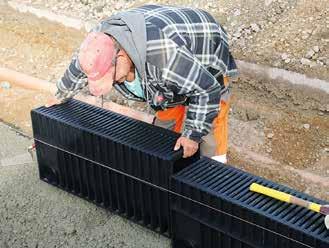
[33, 83]
[26, 81]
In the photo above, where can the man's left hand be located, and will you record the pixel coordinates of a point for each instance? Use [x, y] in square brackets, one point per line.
[190, 147]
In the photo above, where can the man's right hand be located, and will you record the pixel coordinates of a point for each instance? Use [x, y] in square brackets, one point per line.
[52, 101]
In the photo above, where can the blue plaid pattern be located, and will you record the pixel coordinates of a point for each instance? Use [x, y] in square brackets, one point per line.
[186, 51]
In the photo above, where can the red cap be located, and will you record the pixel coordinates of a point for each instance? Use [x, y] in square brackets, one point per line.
[96, 55]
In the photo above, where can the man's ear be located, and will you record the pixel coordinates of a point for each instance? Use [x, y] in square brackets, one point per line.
[122, 52]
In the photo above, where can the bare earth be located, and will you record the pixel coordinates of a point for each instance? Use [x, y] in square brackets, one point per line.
[289, 34]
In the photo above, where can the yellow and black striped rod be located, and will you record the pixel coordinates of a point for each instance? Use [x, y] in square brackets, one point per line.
[324, 209]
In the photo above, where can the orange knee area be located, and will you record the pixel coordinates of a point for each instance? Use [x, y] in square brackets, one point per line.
[226, 81]
[220, 126]
[177, 113]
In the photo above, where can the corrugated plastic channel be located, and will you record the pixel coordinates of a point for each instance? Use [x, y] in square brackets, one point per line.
[260, 220]
[135, 148]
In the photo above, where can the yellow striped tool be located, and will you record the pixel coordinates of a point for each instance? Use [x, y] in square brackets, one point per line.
[323, 209]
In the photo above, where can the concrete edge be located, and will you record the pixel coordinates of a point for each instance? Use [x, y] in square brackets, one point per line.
[42, 13]
[281, 75]
[245, 68]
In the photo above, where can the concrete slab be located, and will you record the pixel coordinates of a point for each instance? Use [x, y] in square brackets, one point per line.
[35, 214]
[11, 143]
[23, 158]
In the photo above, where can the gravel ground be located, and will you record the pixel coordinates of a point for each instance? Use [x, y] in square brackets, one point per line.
[34, 214]
[288, 34]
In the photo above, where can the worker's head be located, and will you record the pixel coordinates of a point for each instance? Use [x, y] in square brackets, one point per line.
[103, 61]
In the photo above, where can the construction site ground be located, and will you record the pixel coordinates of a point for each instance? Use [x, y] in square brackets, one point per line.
[277, 131]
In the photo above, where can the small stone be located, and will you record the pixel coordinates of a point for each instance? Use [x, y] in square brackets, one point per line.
[252, 115]
[241, 28]
[270, 135]
[326, 149]
[237, 12]
[287, 61]
[255, 27]
[85, 2]
[305, 61]
[322, 59]
[119, 5]
[99, 8]
[284, 56]
[237, 35]
[277, 64]
[130, 103]
[268, 2]
[313, 64]
[89, 25]
[5, 85]
[309, 54]
[316, 49]
[247, 31]
[324, 108]
[307, 191]
[304, 37]
[307, 126]
[297, 40]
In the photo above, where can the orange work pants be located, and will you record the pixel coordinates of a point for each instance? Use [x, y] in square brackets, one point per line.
[215, 143]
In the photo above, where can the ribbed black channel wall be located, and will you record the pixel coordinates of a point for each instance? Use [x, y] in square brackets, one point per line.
[225, 188]
[75, 135]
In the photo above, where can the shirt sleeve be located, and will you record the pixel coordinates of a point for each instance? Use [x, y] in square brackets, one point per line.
[185, 75]
[73, 80]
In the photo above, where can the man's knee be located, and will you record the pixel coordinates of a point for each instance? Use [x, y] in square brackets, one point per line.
[167, 124]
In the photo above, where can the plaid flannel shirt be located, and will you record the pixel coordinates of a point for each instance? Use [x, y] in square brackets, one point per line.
[186, 51]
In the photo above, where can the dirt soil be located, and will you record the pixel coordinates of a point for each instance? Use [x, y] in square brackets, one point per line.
[288, 34]
[277, 131]
[35, 47]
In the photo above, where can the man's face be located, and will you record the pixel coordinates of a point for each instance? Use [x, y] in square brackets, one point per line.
[119, 73]
[103, 85]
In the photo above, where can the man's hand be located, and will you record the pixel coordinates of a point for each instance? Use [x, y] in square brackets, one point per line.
[190, 147]
[52, 101]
